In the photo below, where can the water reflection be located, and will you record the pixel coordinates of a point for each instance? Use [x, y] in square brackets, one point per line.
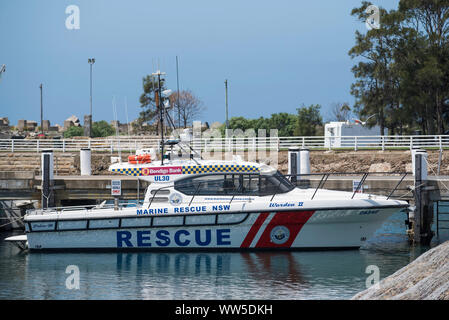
[264, 275]
[250, 275]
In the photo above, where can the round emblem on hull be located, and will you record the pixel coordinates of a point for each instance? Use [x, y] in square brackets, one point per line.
[175, 199]
[279, 234]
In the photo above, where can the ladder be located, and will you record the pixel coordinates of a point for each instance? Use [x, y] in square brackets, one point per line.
[442, 216]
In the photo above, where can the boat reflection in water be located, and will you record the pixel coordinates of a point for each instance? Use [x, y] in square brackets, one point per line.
[262, 275]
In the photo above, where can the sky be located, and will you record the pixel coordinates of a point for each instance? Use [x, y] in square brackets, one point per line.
[276, 55]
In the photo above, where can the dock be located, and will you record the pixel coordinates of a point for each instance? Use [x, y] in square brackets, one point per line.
[28, 186]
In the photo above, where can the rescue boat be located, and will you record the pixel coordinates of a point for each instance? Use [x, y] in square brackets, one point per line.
[195, 204]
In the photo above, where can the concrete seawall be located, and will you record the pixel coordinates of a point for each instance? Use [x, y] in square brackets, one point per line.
[321, 161]
[426, 278]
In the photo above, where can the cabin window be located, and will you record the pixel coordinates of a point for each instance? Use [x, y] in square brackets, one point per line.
[222, 184]
[207, 185]
[276, 183]
[234, 184]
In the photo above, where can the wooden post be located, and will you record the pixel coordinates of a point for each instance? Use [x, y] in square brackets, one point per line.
[418, 200]
[424, 209]
[47, 199]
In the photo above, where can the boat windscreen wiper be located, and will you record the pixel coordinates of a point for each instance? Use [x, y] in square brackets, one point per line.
[277, 190]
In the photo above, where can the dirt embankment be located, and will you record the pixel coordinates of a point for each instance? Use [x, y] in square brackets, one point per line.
[99, 163]
[321, 161]
[370, 161]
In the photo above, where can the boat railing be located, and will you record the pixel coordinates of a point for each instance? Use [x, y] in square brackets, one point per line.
[156, 192]
[87, 208]
[300, 177]
[322, 182]
[325, 177]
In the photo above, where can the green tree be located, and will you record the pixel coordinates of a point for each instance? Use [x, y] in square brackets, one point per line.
[426, 61]
[74, 132]
[375, 89]
[309, 121]
[150, 111]
[403, 72]
[285, 123]
[102, 129]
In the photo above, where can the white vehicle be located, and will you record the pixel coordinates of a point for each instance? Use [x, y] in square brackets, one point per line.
[194, 204]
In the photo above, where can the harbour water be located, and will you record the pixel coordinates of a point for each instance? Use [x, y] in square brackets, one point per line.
[259, 275]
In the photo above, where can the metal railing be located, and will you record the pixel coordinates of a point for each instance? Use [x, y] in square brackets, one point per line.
[361, 182]
[324, 178]
[114, 144]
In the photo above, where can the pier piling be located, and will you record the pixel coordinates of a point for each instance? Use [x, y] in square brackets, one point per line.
[423, 215]
[47, 199]
[294, 163]
[85, 162]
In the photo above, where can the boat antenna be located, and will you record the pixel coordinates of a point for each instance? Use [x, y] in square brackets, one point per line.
[177, 96]
[127, 120]
[2, 70]
[226, 103]
[114, 108]
[171, 121]
[159, 104]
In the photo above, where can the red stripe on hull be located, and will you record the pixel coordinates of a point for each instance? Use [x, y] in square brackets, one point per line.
[292, 220]
[254, 229]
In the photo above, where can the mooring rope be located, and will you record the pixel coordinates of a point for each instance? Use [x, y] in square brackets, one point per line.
[11, 221]
[428, 165]
[411, 190]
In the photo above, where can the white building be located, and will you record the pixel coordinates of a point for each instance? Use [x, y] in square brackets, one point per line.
[336, 131]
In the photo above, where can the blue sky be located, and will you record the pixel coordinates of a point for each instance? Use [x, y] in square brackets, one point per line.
[276, 55]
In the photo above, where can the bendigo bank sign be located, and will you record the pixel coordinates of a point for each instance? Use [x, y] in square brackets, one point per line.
[161, 171]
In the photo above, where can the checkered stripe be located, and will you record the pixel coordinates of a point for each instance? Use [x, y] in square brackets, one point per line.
[219, 168]
[128, 171]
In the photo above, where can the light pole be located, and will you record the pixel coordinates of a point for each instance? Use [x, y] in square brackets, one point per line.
[42, 112]
[226, 93]
[91, 61]
[177, 96]
[159, 104]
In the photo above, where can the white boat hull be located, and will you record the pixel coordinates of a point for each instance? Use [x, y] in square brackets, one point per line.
[313, 229]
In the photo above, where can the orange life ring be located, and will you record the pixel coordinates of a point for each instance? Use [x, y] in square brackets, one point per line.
[140, 159]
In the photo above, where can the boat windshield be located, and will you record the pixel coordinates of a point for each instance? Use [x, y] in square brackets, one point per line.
[234, 184]
[276, 183]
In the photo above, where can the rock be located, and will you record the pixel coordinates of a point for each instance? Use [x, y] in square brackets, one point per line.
[408, 167]
[73, 118]
[216, 125]
[426, 278]
[380, 167]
